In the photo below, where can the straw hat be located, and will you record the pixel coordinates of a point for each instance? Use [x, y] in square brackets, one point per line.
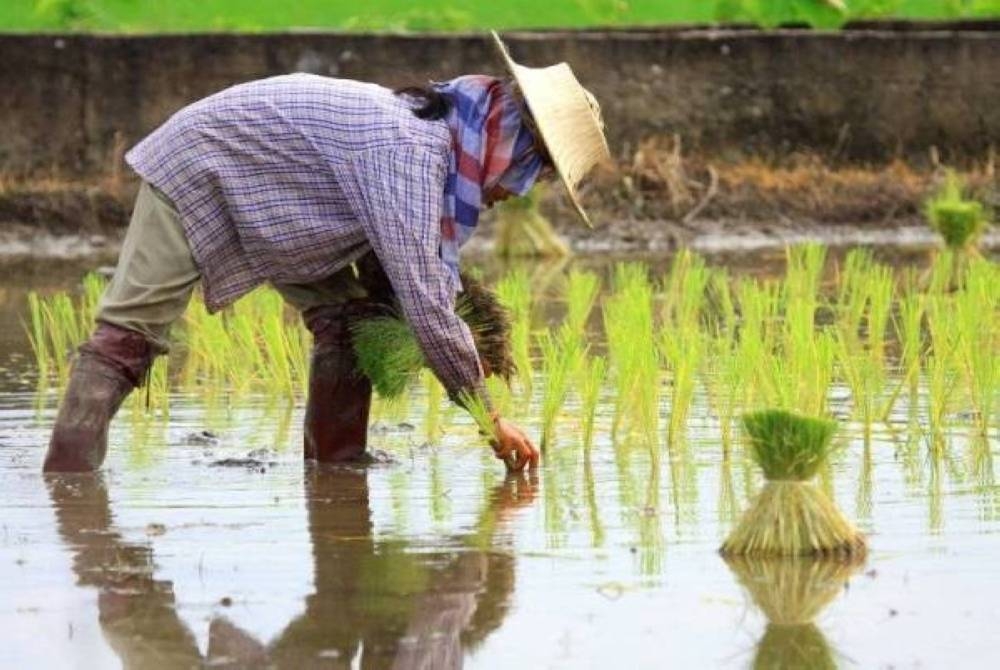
[568, 119]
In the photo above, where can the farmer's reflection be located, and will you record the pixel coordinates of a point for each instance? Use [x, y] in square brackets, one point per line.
[375, 604]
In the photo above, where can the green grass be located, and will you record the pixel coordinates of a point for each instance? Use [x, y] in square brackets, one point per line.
[407, 15]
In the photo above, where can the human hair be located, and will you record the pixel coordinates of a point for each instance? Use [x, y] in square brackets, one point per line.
[432, 104]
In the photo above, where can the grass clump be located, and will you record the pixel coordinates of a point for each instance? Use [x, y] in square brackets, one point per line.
[791, 517]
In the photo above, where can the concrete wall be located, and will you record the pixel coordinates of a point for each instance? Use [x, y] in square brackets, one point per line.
[865, 94]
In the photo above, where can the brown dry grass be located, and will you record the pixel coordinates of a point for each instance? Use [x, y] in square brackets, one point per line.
[661, 182]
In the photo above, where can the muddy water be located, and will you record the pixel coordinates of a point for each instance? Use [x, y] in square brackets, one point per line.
[435, 560]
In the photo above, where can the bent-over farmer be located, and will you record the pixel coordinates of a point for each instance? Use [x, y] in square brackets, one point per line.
[293, 180]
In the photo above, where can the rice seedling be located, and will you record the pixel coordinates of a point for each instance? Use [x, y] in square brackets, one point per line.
[582, 288]
[977, 320]
[791, 594]
[434, 393]
[865, 378]
[880, 291]
[563, 356]
[723, 375]
[476, 406]
[37, 338]
[628, 326]
[759, 306]
[682, 350]
[514, 293]
[791, 517]
[909, 320]
[722, 308]
[804, 271]
[591, 383]
[684, 293]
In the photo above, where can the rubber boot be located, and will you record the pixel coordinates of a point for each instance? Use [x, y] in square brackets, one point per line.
[336, 423]
[110, 364]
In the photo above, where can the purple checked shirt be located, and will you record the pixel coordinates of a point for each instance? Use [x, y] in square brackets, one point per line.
[291, 178]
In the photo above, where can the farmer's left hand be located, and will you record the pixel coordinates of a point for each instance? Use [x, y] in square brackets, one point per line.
[513, 447]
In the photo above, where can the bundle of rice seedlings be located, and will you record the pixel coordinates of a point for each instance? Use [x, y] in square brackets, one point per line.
[960, 222]
[791, 594]
[389, 355]
[790, 516]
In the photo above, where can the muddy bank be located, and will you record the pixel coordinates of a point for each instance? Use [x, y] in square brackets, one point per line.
[658, 200]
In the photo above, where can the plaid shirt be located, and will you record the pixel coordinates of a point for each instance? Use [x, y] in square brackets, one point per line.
[291, 178]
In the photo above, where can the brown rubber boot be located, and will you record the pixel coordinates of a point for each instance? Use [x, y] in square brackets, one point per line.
[110, 364]
[336, 423]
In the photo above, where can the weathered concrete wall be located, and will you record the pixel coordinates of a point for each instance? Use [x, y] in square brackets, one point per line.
[866, 94]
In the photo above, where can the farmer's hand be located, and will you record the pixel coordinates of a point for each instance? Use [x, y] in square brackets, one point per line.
[513, 447]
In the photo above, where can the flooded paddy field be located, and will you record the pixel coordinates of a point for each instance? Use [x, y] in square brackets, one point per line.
[205, 541]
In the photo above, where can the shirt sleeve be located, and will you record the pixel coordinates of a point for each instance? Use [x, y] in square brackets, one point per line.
[396, 193]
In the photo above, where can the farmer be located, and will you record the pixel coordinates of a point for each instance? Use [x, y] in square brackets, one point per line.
[298, 180]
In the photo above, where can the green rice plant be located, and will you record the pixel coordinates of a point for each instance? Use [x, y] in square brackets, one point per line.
[563, 355]
[685, 291]
[804, 271]
[942, 365]
[723, 376]
[723, 308]
[866, 379]
[37, 337]
[514, 293]
[500, 394]
[63, 332]
[591, 383]
[278, 343]
[759, 328]
[628, 326]
[480, 412]
[682, 349]
[435, 394]
[881, 292]
[581, 293]
[853, 291]
[940, 275]
[790, 517]
[959, 221]
[908, 325]
[977, 320]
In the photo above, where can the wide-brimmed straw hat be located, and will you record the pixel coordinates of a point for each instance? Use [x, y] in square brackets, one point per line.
[568, 119]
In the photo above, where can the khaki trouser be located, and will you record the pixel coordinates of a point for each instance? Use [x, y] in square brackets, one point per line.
[156, 274]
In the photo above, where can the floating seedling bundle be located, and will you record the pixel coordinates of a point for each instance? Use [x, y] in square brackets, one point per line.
[389, 355]
[790, 516]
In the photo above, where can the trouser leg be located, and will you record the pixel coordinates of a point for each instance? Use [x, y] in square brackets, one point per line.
[149, 291]
[339, 398]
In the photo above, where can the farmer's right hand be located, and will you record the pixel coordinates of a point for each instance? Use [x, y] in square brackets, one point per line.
[513, 447]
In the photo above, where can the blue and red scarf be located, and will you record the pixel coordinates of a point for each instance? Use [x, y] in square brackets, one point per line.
[492, 148]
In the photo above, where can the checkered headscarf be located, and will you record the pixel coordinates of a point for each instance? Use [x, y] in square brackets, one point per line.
[492, 147]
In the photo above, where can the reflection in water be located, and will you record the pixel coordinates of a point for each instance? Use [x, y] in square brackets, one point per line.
[791, 593]
[375, 603]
